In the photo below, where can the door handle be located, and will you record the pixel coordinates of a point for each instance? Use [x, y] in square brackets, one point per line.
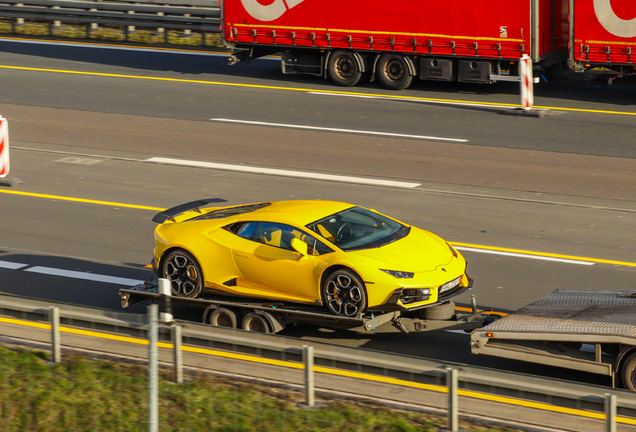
[241, 254]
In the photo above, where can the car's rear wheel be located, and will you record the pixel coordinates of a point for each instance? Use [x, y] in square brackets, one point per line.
[184, 273]
[344, 293]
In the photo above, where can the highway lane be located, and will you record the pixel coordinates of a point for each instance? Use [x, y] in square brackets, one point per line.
[551, 194]
[110, 240]
[200, 88]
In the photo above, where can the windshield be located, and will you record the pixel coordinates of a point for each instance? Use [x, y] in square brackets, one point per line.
[359, 228]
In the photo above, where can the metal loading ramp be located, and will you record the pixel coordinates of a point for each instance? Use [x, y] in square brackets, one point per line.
[575, 311]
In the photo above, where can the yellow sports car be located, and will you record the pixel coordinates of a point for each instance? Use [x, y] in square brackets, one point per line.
[346, 258]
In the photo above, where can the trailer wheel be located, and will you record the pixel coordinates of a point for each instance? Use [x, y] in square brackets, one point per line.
[343, 68]
[256, 323]
[628, 372]
[184, 273]
[441, 312]
[222, 317]
[344, 293]
[393, 71]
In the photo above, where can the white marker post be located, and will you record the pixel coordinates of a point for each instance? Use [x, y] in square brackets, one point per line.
[4, 155]
[527, 92]
[4, 147]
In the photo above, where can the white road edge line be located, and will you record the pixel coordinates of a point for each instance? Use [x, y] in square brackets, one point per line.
[350, 131]
[84, 276]
[521, 255]
[424, 101]
[11, 265]
[126, 48]
[284, 173]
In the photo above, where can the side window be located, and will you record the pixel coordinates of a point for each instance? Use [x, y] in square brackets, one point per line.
[316, 247]
[245, 230]
[274, 234]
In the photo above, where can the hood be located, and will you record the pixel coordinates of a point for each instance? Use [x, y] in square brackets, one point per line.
[420, 251]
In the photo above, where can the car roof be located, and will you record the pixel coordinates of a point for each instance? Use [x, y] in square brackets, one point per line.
[296, 212]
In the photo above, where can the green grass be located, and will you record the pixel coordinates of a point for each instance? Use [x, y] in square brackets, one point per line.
[84, 394]
[109, 34]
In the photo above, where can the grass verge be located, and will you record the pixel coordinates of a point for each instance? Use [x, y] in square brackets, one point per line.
[84, 394]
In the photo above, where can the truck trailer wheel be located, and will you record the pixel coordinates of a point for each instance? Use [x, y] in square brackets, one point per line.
[256, 323]
[441, 312]
[343, 68]
[628, 372]
[222, 317]
[393, 71]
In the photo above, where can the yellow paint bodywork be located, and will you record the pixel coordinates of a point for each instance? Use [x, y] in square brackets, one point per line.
[265, 271]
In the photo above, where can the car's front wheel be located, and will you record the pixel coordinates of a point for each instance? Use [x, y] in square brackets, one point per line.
[344, 293]
[184, 273]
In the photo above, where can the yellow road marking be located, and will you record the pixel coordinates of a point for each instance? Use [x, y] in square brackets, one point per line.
[259, 86]
[325, 370]
[114, 45]
[465, 309]
[493, 248]
[82, 200]
[546, 254]
[25, 323]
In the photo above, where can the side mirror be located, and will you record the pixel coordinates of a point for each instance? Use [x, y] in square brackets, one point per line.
[300, 246]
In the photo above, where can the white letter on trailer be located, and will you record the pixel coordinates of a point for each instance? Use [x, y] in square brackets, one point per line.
[269, 12]
[611, 22]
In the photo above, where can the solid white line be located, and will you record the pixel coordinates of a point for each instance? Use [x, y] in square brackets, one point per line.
[126, 48]
[520, 255]
[284, 173]
[84, 276]
[11, 265]
[421, 101]
[351, 131]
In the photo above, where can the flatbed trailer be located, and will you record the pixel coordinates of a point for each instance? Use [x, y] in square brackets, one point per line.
[269, 316]
[552, 330]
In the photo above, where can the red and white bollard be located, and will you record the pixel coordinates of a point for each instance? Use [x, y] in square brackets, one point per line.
[4, 147]
[525, 71]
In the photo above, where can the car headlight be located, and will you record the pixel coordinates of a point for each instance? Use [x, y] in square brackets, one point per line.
[399, 274]
[452, 249]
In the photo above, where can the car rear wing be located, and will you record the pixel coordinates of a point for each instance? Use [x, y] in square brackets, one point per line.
[174, 211]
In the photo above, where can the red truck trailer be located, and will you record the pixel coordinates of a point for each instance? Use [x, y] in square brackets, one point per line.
[397, 41]
[603, 33]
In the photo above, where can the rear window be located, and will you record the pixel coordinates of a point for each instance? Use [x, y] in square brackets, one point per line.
[233, 211]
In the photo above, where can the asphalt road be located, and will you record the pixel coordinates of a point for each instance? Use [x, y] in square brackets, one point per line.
[563, 184]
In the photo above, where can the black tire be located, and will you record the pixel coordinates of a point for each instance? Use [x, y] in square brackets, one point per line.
[441, 312]
[256, 323]
[222, 317]
[628, 372]
[184, 273]
[393, 71]
[344, 293]
[343, 68]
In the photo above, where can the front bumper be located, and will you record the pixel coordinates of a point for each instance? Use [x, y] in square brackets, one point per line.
[394, 304]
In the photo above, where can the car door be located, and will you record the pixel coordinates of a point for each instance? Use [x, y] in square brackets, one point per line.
[269, 261]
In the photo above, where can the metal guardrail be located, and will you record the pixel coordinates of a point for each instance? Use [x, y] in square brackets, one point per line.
[159, 16]
[487, 386]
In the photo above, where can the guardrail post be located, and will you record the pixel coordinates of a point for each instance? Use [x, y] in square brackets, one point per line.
[153, 372]
[610, 412]
[178, 354]
[17, 22]
[160, 30]
[129, 29]
[93, 26]
[452, 383]
[54, 318]
[187, 32]
[308, 360]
